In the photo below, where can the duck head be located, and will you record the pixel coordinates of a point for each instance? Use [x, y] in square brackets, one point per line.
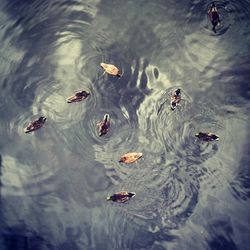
[82, 93]
[214, 137]
[106, 118]
[85, 93]
[178, 92]
[109, 198]
[131, 194]
[173, 105]
[197, 134]
[42, 119]
[104, 65]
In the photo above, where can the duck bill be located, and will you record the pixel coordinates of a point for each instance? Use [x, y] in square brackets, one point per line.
[197, 134]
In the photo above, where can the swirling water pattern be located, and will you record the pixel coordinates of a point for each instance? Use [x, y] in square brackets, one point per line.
[190, 195]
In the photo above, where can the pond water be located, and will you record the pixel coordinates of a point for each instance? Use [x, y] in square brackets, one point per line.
[54, 181]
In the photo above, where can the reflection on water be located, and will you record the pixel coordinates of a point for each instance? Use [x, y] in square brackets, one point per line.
[190, 194]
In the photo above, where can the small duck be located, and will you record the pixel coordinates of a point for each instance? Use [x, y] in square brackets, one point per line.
[130, 157]
[103, 126]
[34, 125]
[121, 196]
[207, 136]
[111, 69]
[78, 96]
[175, 99]
[213, 15]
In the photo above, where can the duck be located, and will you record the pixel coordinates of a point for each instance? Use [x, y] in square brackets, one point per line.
[175, 99]
[121, 196]
[78, 96]
[130, 157]
[104, 125]
[204, 136]
[213, 15]
[111, 69]
[34, 125]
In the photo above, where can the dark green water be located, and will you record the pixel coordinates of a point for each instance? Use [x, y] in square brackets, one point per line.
[54, 182]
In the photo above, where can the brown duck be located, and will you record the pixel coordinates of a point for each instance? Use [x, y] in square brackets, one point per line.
[34, 125]
[204, 136]
[130, 157]
[214, 17]
[121, 196]
[104, 125]
[175, 99]
[78, 96]
[111, 69]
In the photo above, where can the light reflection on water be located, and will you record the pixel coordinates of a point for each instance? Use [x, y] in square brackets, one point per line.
[190, 195]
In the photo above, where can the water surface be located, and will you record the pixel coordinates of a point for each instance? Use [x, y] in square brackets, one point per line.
[54, 182]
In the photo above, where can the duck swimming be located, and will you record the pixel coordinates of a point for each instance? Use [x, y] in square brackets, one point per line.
[214, 17]
[121, 196]
[78, 96]
[103, 126]
[111, 69]
[207, 136]
[34, 125]
[175, 99]
[130, 157]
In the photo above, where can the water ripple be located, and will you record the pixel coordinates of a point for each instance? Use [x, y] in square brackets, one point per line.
[52, 49]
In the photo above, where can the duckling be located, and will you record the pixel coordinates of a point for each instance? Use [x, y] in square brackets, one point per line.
[213, 15]
[34, 125]
[204, 136]
[175, 99]
[121, 196]
[130, 157]
[103, 126]
[78, 96]
[111, 69]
